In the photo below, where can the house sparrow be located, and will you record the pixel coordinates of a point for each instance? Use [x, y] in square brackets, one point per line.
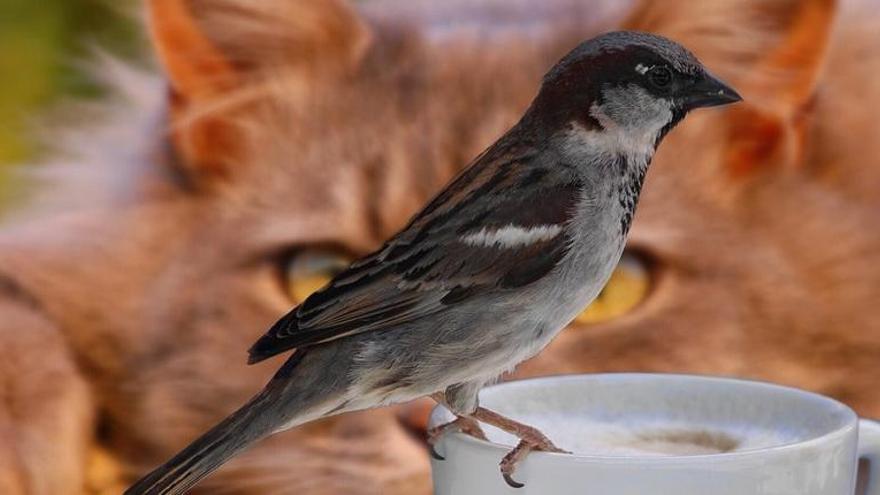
[489, 271]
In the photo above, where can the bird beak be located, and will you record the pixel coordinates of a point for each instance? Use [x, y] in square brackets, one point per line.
[708, 91]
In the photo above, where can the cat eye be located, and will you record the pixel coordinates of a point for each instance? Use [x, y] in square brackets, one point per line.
[660, 76]
[628, 286]
[308, 270]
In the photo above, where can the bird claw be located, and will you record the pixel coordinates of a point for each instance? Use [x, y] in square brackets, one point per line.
[436, 455]
[512, 482]
[518, 453]
[462, 424]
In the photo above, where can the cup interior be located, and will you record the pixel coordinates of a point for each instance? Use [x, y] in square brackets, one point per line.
[661, 415]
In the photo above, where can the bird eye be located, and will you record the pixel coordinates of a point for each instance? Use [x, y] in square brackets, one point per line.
[660, 76]
[308, 270]
[628, 286]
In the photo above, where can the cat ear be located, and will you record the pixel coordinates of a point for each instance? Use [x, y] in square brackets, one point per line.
[773, 52]
[215, 53]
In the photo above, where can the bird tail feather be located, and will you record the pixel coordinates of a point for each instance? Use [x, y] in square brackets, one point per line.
[231, 436]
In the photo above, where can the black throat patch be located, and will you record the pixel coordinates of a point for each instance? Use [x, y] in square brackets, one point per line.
[629, 188]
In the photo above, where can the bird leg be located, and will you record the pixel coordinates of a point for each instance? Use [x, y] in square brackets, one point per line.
[463, 424]
[530, 439]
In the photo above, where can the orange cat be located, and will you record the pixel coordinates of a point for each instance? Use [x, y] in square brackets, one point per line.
[288, 136]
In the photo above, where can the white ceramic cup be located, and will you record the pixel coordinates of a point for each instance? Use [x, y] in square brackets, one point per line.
[727, 437]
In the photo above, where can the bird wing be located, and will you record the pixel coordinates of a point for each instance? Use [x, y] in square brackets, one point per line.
[474, 237]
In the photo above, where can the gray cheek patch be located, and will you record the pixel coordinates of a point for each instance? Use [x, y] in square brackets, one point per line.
[631, 107]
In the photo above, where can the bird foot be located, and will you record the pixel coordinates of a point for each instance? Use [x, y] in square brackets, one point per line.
[465, 425]
[517, 454]
[530, 439]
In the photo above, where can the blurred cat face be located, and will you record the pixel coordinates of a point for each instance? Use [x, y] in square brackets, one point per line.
[315, 148]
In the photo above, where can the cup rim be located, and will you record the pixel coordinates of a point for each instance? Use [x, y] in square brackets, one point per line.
[850, 421]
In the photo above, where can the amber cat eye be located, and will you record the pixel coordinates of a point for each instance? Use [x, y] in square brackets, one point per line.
[628, 286]
[309, 270]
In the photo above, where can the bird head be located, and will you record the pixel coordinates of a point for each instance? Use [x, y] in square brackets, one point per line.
[631, 83]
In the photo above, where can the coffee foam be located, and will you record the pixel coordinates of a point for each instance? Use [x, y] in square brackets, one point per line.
[645, 436]
[649, 415]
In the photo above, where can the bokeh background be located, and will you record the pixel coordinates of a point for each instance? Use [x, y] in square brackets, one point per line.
[44, 48]
[755, 251]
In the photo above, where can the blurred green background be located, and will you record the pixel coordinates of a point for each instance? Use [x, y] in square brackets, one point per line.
[43, 44]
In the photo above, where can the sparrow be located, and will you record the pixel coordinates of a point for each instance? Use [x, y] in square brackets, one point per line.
[487, 273]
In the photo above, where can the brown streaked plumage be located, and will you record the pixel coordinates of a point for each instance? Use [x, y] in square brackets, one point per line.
[473, 286]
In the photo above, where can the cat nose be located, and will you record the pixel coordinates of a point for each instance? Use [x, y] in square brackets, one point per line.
[413, 416]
